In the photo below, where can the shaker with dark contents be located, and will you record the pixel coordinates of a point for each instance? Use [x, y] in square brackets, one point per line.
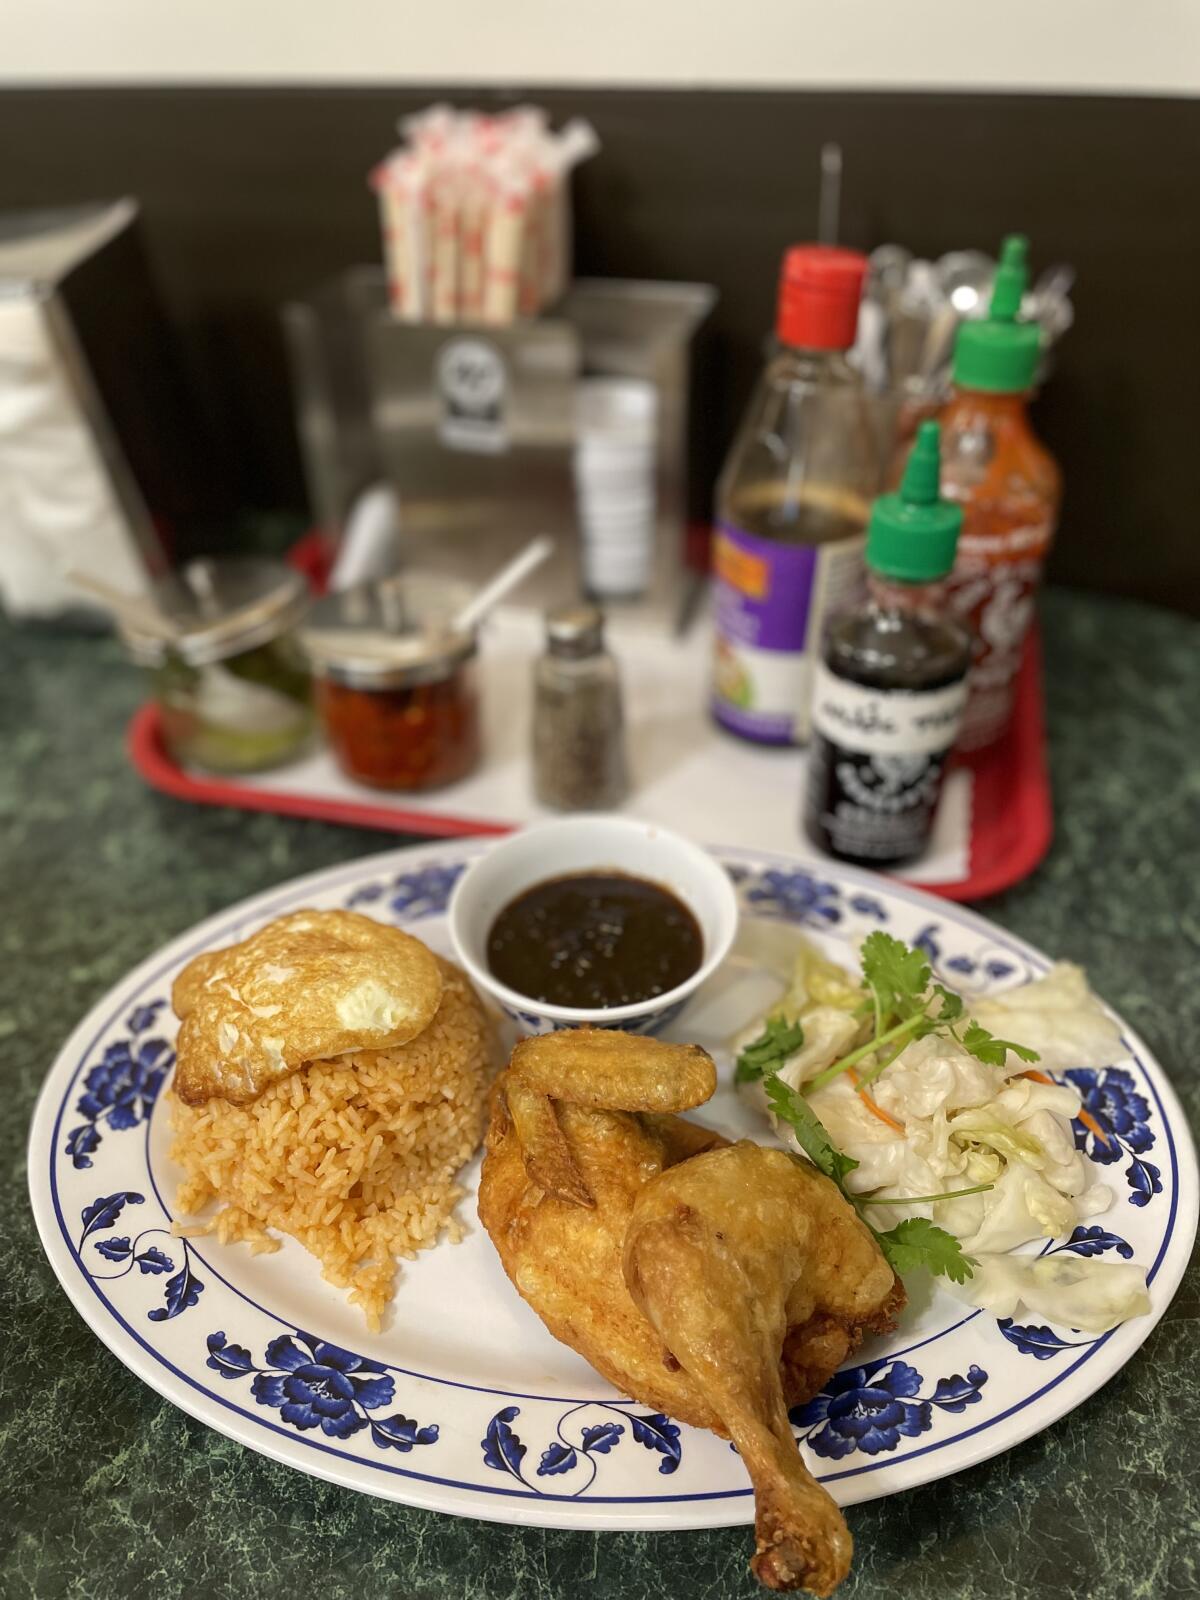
[578, 723]
[595, 939]
[891, 685]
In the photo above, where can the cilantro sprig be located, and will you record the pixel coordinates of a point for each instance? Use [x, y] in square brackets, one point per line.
[811, 1135]
[986, 1047]
[778, 1040]
[906, 1004]
[915, 1242]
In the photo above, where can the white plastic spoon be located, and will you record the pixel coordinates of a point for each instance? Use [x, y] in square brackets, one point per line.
[507, 579]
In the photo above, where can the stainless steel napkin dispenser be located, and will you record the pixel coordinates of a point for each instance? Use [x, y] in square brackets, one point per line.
[474, 427]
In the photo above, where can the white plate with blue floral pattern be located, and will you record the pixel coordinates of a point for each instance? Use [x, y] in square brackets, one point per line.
[464, 1403]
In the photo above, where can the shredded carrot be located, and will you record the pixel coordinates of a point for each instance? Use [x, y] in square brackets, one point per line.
[870, 1104]
[1085, 1116]
[1092, 1125]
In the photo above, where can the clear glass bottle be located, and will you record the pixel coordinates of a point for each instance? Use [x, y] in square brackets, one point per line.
[792, 503]
[578, 723]
[892, 682]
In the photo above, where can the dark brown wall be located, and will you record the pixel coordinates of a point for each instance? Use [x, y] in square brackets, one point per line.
[253, 195]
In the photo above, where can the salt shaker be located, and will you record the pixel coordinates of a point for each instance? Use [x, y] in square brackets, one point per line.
[578, 725]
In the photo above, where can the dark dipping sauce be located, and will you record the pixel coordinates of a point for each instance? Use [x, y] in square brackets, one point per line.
[594, 940]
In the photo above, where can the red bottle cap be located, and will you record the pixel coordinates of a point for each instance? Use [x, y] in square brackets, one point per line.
[820, 287]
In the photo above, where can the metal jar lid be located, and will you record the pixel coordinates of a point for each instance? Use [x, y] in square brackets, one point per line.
[575, 630]
[220, 608]
[389, 634]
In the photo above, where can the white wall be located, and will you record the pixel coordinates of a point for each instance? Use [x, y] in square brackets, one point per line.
[1128, 46]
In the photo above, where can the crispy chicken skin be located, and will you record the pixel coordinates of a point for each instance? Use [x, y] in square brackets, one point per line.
[759, 1279]
[557, 1210]
[719, 1283]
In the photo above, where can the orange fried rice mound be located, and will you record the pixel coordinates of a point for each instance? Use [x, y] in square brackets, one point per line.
[355, 1157]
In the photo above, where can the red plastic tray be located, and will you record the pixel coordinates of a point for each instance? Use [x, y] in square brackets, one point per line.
[1012, 821]
[1011, 814]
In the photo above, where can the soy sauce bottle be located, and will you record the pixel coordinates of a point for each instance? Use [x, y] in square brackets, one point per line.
[891, 683]
[792, 503]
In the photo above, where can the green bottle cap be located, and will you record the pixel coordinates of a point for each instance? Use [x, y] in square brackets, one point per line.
[1000, 354]
[912, 535]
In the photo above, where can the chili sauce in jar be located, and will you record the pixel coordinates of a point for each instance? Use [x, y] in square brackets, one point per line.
[395, 684]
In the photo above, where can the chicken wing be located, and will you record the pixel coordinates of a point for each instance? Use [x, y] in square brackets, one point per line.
[557, 1208]
[719, 1283]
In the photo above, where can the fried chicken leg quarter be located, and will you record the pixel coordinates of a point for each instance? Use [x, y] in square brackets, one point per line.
[731, 1256]
[719, 1283]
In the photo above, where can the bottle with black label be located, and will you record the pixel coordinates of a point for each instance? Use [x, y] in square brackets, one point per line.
[891, 683]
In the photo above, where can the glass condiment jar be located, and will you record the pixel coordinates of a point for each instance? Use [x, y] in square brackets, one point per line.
[233, 690]
[395, 682]
[578, 722]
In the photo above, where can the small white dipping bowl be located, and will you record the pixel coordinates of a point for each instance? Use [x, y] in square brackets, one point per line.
[591, 844]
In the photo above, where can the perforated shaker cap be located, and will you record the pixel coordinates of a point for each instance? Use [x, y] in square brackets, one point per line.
[576, 630]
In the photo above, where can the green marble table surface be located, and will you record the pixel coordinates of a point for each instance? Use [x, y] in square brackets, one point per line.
[108, 1490]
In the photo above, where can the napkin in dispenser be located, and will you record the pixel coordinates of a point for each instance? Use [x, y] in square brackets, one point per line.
[98, 446]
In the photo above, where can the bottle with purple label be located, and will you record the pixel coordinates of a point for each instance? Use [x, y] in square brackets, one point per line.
[792, 504]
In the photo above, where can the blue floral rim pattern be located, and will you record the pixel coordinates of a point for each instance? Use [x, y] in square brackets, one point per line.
[321, 1393]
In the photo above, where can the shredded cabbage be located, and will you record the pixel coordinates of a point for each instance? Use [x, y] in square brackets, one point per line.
[1022, 1206]
[987, 1126]
[816, 981]
[932, 1075]
[828, 1034]
[1090, 1295]
[966, 1122]
[1058, 1016]
[821, 996]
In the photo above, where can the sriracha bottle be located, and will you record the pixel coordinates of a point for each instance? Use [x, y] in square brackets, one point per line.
[1009, 488]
